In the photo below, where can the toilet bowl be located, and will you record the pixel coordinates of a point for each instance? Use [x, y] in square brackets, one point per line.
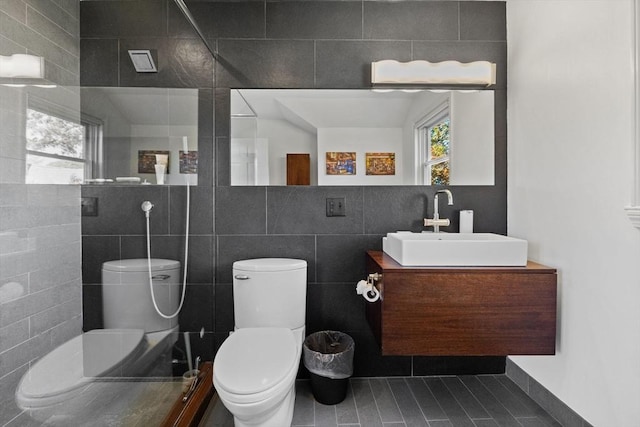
[54, 382]
[255, 373]
[61, 383]
[256, 366]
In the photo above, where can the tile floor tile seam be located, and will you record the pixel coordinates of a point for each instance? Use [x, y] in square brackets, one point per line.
[411, 394]
[452, 393]
[471, 394]
[511, 394]
[415, 399]
[499, 400]
[395, 400]
[376, 402]
[530, 401]
[434, 397]
[488, 393]
[335, 412]
[385, 399]
[314, 412]
[537, 406]
[355, 405]
[355, 401]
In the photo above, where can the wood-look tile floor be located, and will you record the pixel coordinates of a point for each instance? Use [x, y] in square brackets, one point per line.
[447, 401]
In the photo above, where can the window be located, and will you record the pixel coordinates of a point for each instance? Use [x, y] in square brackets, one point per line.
[435, 146]
[60, 149]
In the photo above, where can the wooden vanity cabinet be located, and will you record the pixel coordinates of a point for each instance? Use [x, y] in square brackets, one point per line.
[473, 311]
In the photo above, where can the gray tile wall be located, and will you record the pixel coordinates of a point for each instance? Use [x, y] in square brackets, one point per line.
[287, 44]
[40, 279]
[40, 255]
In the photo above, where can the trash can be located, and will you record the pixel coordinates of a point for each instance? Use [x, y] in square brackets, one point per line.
[328, 355]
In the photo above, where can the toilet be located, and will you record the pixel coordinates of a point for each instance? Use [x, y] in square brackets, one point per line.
[255, 369]
[133, 340]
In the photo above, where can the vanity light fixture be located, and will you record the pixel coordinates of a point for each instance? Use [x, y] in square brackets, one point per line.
[22, 66]
[447, 73]
[142, 61]
[20, 70]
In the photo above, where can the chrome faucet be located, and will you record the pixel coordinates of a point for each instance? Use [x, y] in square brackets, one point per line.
[436, 222]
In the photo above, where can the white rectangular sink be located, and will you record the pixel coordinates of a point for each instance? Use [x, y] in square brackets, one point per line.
[455, 249]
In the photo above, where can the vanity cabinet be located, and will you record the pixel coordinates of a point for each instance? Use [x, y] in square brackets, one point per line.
[473, 311]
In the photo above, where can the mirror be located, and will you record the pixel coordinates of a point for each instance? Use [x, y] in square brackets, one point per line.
[141, 135]
[362, 137]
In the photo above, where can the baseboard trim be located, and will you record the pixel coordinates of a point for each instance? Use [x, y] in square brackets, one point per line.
[566, 416]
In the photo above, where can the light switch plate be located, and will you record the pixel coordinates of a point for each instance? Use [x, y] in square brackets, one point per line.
[336, 206]
[89, 206]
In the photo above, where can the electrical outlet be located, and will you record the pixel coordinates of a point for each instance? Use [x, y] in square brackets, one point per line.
[336, 206]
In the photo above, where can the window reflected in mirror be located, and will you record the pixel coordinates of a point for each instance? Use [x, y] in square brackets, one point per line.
[143, 135]
[121, 136]
[55, 146]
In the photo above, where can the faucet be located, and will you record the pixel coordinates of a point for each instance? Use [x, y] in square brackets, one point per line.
[436, 222]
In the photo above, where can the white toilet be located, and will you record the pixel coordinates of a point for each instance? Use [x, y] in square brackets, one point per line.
[130, 345]
[255, 369]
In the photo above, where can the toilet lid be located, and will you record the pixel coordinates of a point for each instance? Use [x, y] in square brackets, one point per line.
[95, 353]
[252, 360]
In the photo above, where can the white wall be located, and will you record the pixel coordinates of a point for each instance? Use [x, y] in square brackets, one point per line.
[473, 138]
[284, 138]
[570, 133]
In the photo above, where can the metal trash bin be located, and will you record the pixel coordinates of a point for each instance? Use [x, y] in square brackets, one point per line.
[328, 355]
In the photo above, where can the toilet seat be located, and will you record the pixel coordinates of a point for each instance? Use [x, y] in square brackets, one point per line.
[68, 368]
[255, 363]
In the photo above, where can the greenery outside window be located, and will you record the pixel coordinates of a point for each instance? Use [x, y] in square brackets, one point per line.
[435, 146]
[60, 149]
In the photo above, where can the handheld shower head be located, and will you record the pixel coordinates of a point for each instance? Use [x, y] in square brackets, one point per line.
[146, 207]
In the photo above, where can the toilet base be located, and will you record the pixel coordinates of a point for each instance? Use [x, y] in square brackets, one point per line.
[280, 416]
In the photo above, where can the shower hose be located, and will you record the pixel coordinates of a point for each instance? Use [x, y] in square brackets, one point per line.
[146, 207]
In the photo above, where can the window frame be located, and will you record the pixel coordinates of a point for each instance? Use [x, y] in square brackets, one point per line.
[92, 158]
[423, 141]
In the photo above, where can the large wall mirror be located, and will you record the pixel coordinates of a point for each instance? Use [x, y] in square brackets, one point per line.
[140, 135]
[362, 137]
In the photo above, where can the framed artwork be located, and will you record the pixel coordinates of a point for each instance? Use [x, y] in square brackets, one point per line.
[341, 163]
[380, 163]
[189, 162]
[147, 160]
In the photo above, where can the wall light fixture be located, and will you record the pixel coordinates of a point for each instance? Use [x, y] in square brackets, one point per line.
[23, 66]
[453, 73]
[21, 70]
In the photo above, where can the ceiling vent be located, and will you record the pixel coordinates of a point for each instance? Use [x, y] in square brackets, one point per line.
[143, 61]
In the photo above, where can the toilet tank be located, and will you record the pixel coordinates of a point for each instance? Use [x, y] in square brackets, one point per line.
[126, 298]
[270, 292]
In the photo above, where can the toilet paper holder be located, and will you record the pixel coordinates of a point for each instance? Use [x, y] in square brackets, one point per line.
[369, 288]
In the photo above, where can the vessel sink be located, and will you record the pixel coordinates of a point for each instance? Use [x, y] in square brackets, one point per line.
[455, 249]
